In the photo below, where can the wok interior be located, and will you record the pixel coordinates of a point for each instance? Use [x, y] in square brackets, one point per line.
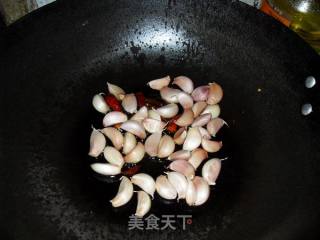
[244, 174]
[255, 187]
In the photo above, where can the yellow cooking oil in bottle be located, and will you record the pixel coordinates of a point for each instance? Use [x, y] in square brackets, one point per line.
[302, 16]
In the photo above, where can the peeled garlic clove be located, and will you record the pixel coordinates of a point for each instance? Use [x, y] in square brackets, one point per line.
[181, 154]
[135, 128]
[202, 190]
[168, 111]
[185, 119]
[215, 93]
[200, 93]
[185, 100]
[100, 104]
[204, 133]
[184, 83]
[180, 136]
[113, 118]
[164, 188]
[213, 109]
[183, 167]
[144, 204]
[116, 91]
[136, 154]
[124, 194]
[152, 125]
[170, 95]
[211, 170]
[115, 136]
[129, 103]
[145, 182]
[215, 125]
[113, 156]
[166, 146]
[97, 143]
[191, 196]
[197, 156]
[198, 107]
[140, 115]
[211, 146]
[129, 142]
[153, 114]
[193, 139]
[179, 182]
[152, 144]
[105, 169]
[201, 120]
[160, 83]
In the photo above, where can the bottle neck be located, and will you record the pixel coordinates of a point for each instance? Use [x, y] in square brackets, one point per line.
[270, 7]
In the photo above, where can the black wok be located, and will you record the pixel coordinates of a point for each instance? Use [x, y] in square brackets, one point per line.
[54, 61]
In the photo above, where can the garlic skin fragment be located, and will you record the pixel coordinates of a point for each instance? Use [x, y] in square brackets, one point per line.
[215, 93]
[106, 169]
[179, 182]
[170, 95]
[213, 109]
[202, 190]
[193, 139]
[160, 83]
[183, 167]
[191, 196]
[141, 114]
[129, 142]
[135, 128]
[114, 135]
[210, 170]
[201, 120]
[136, 154]
[143, 205]
[215, 125]
[185, 119]
[184, 83]
[180, 136]
[116, 91]
[165, 189]
[97, 143]
[113, 156]
[152, 144]
[113, 118]
[129, 103]
[153, 126]
[198, 108]
[204, 133]
[145, 182]
[100, 104]
[211, 146]
[181, 154]
[166, 146]
[185, 100]
[197, 157]
[168, 111]
[124, 193]
[200, 93]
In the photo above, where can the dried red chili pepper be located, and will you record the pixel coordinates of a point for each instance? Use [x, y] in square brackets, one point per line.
[141, 100]
[172, 127]
[131, 170]
[113, 103]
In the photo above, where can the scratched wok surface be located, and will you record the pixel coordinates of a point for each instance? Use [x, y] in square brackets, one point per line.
[58, 57]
